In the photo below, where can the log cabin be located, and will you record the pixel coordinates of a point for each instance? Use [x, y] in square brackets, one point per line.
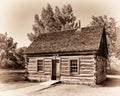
[71, 56]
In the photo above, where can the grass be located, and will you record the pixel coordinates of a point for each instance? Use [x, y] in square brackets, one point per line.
[7, 76]
[12, 79]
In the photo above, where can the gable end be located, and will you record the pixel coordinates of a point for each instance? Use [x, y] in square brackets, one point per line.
[103, 48]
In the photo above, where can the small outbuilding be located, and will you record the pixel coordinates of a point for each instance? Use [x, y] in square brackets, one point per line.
[71, 56]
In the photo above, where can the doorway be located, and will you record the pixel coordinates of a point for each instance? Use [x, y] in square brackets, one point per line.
[55, 64]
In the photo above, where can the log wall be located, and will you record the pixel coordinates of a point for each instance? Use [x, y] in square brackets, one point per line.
[65, 68]
[91, 69]
[86, 72]
[33, 74]
[47, 66]
[101, 69]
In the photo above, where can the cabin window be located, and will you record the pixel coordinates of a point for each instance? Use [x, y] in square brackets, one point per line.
[74, 66]
[40, 65]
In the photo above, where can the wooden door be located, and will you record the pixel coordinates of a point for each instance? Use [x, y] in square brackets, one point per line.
[55, 64]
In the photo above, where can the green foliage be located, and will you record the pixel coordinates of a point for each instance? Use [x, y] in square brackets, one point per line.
[53, 21]
[111, 30]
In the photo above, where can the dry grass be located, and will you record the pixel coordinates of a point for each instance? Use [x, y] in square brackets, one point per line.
[110, 88]
[12, 79]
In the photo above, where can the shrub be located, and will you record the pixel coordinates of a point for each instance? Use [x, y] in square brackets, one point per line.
[6, 63]
[114, 65]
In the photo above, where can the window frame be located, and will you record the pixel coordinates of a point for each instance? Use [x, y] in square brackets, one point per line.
[38, 70]
[78, 65]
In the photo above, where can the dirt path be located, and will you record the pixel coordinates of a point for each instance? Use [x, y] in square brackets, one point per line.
[30, 89]
[23, 91]
[15, 85]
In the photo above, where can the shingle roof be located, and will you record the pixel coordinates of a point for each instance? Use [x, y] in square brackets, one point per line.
[67, 41]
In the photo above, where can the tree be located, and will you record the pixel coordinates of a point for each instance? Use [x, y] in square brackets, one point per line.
[7, 46]
[18, 57]
[48, 19]
[53, 21]
[68, 17]
[10, 56]
[38, 28]
[110, 26]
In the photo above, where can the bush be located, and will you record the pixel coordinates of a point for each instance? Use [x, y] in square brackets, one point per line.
[6, 63]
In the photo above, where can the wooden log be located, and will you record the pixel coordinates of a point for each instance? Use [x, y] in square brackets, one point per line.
[47, 65]
[86, 75]
[76, 80]
[87, 62]
[65, 72]
[32, 65]
[32, 61]
[64, 59]
[85, 68]
[33, 69]
[86, 72]
[77, 77]
[47, 59]
[87, 56]
[87, 65]
[64, 63]
[65, 68]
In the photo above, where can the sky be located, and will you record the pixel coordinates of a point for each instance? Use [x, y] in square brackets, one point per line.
[17, 16]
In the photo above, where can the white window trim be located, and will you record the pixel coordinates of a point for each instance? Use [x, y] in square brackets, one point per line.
[43, 65]
[78, 66]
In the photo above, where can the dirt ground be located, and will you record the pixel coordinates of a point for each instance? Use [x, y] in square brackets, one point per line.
[10, 81]
[110, 88]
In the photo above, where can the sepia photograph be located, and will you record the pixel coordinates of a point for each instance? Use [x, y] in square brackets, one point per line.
[59, 48]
